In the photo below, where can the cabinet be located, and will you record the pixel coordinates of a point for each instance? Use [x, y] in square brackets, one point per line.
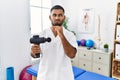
[93, 60]
[116, 50]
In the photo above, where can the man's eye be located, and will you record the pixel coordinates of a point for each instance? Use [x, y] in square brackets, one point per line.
[60, 15]
[54, 15]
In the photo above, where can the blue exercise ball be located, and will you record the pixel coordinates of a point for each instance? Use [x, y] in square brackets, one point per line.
[89, 43]
[78, 42]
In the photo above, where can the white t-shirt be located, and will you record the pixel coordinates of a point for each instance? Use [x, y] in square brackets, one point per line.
[54, 63]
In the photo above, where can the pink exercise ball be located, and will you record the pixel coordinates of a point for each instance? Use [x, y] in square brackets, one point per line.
[24, 75]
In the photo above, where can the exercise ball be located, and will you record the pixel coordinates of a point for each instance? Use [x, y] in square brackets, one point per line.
[24, 75]
[89, 43]
[83, 42]
[78, 42]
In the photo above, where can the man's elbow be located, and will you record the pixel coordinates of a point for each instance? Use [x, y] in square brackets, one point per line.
[73, 54]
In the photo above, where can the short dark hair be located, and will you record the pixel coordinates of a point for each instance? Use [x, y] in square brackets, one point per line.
[57, 7]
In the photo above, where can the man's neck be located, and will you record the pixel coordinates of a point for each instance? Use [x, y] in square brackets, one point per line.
[54, 31]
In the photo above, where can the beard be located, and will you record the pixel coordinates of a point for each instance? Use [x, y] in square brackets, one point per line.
[57, 23]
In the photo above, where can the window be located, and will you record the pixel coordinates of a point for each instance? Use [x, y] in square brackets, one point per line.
[40, 10]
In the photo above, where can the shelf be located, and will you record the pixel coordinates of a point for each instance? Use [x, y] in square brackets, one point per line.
[117, 41]
[117, 22]
[116, 76]
[116, 69]
[116, 60]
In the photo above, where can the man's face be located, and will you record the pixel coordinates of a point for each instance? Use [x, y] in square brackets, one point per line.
[57, 17]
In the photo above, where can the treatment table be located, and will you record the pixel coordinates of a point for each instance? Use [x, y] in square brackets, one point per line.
[79, 74]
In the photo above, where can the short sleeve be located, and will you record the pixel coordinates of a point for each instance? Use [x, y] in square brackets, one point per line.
[71, 38]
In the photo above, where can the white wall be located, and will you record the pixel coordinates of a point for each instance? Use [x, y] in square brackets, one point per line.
[14, 36]
[15, 33]
[105, 8]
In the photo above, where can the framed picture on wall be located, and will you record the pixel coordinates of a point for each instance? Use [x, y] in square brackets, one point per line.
[86, 21]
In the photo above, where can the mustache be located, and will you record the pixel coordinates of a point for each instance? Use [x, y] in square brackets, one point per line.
[57, 24]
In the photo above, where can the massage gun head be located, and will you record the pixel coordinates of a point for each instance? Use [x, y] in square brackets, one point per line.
[37, 40]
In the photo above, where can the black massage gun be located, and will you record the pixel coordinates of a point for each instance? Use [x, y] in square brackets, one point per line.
[38, 40]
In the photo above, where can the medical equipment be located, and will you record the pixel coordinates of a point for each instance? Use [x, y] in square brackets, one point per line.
[38, 40]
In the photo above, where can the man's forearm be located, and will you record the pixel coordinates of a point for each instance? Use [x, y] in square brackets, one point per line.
[68, 48]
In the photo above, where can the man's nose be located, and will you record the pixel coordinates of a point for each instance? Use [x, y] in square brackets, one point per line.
[57, 17]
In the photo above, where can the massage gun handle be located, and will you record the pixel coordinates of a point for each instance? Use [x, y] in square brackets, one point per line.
[37, 55]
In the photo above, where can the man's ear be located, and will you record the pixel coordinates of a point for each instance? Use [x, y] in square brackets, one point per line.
[64, 17]
[49, 17]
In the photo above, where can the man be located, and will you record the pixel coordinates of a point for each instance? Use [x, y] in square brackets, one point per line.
[55, 63]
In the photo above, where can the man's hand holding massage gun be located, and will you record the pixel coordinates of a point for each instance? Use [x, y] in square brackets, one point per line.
[36, 40]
